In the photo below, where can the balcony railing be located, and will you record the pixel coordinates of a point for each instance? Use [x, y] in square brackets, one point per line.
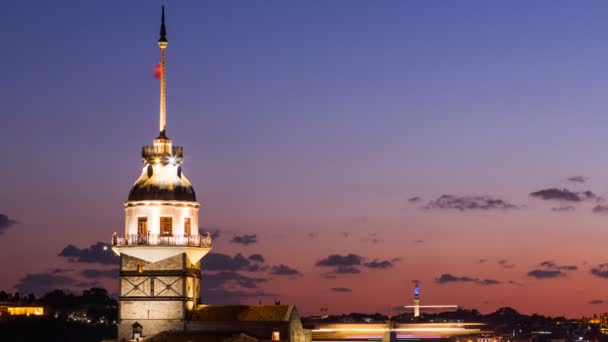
[158, 151]
[162, 240]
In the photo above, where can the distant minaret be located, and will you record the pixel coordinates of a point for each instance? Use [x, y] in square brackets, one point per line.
[160, 252]
[416, 298]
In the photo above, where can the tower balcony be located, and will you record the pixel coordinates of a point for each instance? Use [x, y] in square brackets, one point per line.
[153, 247]
[162, 240]
[159, 151]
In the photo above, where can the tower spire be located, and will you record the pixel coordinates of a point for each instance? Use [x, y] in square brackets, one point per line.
[163, 31]
[162, 44]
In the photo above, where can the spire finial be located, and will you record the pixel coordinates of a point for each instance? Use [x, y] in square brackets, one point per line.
[163, 31]
[162, 43]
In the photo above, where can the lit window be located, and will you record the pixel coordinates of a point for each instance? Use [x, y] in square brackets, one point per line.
[276, 336]
[142, 226]
[166, 226]
[187, 226]
[140, 268]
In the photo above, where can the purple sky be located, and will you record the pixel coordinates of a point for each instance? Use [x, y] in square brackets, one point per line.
[311, 126]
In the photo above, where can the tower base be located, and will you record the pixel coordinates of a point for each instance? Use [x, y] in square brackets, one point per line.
[127, 329]
[156, 296]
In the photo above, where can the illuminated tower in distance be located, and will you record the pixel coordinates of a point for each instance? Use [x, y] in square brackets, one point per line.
[416, 298]
[160, 253]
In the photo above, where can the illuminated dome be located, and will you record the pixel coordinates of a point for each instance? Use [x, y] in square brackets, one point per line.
[150, 189]
[162, 178]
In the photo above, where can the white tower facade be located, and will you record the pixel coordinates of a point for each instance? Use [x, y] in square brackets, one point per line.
[161, 249]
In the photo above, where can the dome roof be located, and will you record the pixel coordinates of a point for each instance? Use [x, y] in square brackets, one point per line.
[162, 183]
[140, 192]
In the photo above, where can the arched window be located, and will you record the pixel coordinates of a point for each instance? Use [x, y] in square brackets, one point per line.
[166, 226]
[187, 227]
[138, 330]
[142, 229]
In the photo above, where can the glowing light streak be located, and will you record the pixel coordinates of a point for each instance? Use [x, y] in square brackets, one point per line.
[431, 306]
[383, 326]
[416, 337]
[420, 329]
[367, 337]
[399, 337]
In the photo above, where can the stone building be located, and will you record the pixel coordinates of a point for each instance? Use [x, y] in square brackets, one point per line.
[247, 323]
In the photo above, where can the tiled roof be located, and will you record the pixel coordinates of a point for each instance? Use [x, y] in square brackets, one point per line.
[200, 336]
[243, 313]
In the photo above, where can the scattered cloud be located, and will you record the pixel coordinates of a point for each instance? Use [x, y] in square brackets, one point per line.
[546, 274]
[378, 264]
[70, 251]
[96, 273]
[224, 262]
[257, 257]
[550, 270]
[223, 280]
[505, 263]
[600, 271]
[351, 264]
[597, 301]
[99, 253]
[450, 278]
[246, 239]
[88, 284]
[563, 209]
[565, 195]
[336, 260]
[481, 261]
[419, 241]
[600, 209]
[63, 278]
[59, 270]
[231, 279]
[341, 289]
[415, 199]
[577, 179]
[345, 235]
[556, 194]
[464, 203]
[41, 283]
[553, 266]
[5, 223]
[231, 287]
[282, 269]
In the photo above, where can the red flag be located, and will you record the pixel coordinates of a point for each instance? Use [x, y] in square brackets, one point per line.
[157, 71]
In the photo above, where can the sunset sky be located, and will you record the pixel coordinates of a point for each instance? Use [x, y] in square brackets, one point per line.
[354, 145]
